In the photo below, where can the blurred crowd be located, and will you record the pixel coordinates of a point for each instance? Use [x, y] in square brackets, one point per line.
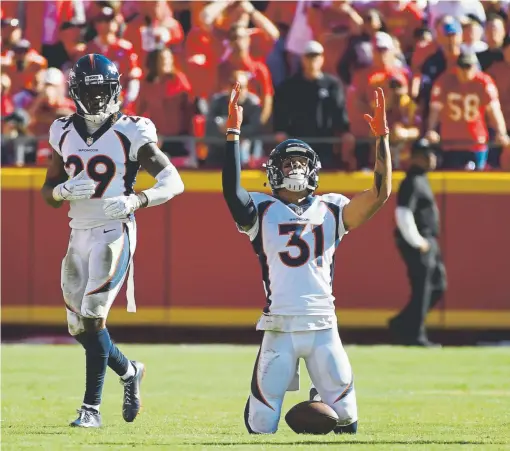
[307, 69]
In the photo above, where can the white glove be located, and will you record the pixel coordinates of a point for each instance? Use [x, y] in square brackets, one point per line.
[122, 206]
[79, 187]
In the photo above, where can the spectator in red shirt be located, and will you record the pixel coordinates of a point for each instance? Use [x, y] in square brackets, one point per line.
[385, 67]
[95, 9]
[24, 98]
[11, 33]
[151, 25]
[42, 21]
[460, 100]
[7, 105]
[165, 99]
[207, 44]
[500, 73]
[50, 104]
[70, 46]
[324, 17]
[402, 18]
[224, 15]
[384, 73]
[281, 14]
[332, 23]
[241, 60]
[21, 63]
[358, 54]
[121, 53]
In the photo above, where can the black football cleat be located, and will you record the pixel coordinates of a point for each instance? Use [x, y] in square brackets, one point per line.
[349, 429]
[314, 394]
[132, 399]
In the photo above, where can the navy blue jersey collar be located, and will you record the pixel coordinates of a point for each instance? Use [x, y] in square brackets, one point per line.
[89, 139]
[300, 208]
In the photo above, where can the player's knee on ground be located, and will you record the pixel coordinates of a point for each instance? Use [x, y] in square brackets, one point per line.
[345, 407]
[272, 373]
[337, 391]
[259, 418]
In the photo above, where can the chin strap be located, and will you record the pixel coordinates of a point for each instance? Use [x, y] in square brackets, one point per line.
[100, 117]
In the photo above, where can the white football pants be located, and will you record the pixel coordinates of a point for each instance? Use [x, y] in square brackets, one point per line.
[94, 270]
[327, 364]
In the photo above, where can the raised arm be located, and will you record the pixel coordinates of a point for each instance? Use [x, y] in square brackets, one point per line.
[363, 206]
[238, 200]
[260, 20]
[211, 12]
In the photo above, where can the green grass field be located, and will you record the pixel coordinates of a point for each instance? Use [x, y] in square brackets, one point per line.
[194, 396]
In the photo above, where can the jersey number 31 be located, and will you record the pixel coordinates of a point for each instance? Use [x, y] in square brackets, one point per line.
[295, 231]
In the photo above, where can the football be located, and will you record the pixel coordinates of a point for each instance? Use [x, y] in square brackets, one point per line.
[311, 417]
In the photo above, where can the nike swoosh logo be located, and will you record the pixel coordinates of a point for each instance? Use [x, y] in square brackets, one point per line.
[106, 231]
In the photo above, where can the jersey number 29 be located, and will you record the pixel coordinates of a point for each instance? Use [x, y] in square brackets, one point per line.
[295, 231]
[100, 168]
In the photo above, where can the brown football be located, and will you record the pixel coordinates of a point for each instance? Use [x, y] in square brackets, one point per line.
[311, 417]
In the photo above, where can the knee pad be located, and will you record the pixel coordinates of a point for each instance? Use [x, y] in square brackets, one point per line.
[246, 413]
[259, 419]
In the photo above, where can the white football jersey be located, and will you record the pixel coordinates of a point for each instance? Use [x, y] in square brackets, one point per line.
[109, 156]
[296, 247]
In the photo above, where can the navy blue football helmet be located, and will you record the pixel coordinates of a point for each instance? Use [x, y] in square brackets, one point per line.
[94, 85]
[296, 180]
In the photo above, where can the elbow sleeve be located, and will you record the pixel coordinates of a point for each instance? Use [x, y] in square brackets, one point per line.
[239, 201]
[169, 184]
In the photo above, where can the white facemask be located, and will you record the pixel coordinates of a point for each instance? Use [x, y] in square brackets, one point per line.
[296, 180]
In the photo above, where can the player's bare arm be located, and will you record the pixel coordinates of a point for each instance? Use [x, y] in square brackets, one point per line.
[497, 120]
[55, 175]
[169, 184]
[58, 188]
[433, 121]
[238, 199]
[363, 206]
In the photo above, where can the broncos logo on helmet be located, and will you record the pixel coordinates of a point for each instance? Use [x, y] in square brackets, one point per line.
[94, 85]
[297, 179]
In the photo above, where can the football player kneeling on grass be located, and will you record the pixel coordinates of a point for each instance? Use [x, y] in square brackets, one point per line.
[295, 232]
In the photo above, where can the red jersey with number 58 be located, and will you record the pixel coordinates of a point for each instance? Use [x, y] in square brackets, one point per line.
[462, 119]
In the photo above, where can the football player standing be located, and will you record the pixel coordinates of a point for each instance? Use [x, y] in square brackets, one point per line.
[97, 153]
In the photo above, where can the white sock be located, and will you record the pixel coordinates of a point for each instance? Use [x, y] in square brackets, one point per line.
[91, 407]
[130, 372]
